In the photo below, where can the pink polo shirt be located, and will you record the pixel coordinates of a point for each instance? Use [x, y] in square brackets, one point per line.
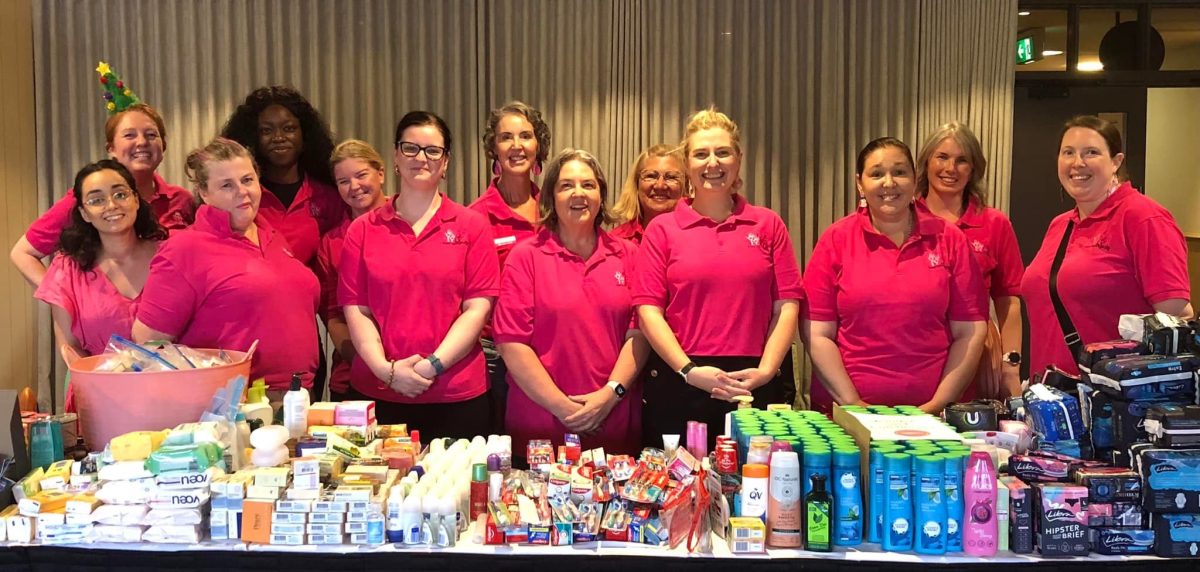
[415, 287]
[893, 305]
[1128, 255]
[994, 245]
[329, 253]
[631, 230]
[717, 282]
[172, 205]
[96, 308]
[508, 227]
[574, 313]
[316, 210]
[210, 287]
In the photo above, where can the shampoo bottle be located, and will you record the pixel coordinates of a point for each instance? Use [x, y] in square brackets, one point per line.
[783, 509]
[847, 497]
[930, 505]
[979, 501]
[817, 510]
[897, 507]
[952, 484]
[295, 409]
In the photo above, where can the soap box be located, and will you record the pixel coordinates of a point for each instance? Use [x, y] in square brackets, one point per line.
[1020, 515]
[1062, 520]
[1176, 535]
[747, 535]
[1122, 541]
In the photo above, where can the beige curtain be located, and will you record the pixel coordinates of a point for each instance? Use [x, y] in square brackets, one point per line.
[809, 81]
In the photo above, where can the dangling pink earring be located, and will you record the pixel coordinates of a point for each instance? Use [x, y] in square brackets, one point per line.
[862, 201]
[537, 169]
[496, 167]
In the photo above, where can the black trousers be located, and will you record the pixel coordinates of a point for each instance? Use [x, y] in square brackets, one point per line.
[458, 420]
[497, 385]
[669, 402]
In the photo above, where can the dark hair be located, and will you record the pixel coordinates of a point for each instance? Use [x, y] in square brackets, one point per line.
[549, 217]
[80, 240]
[1106, 129]
[318, 141]
[420, 119]
[881, 143]
[541, 131]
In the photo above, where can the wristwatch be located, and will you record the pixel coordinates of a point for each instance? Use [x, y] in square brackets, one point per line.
[1012, 358]
[687, 367]
[617, 388]
[438, 368]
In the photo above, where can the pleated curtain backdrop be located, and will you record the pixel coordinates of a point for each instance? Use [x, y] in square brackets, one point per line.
[808, 81]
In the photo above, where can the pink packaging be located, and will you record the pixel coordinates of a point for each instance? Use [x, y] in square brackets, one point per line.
[1021, 430]
[359, 413]
[1062, 520]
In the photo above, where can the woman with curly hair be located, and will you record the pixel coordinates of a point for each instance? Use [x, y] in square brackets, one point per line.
[291, 142]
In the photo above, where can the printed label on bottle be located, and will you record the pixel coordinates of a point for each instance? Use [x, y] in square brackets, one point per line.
[818, 523]
[848, 481]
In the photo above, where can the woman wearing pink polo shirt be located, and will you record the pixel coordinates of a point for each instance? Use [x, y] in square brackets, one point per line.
[517, 141]
[896, 304]
[654, 185]
[230, 279]
[717, 291]
[291, 144]
[137, 138]
[1117, 252]
[416, 281]
[93, 285]
[563, 320]
[359, 174]
[950, 171]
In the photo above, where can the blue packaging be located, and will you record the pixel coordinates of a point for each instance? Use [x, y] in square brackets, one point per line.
[952, 485]
[875, 514]
[1122, 541]
[1146, 377]
[1170, 478]
[928, 493]
[816, 462]
[1177, 535]
[1052, 414]
[847, 498]
[898, 506]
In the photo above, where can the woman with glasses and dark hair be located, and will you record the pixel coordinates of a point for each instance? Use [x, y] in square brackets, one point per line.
[416, 281]
[291, 144]
[565, 323]
[517, 141]
[105, 252]
[652, 188]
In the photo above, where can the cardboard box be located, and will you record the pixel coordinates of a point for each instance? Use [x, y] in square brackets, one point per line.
[256, 521]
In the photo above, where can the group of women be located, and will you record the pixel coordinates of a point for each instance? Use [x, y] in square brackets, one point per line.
[617, 323]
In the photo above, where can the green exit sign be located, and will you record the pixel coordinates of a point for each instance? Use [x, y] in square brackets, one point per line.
[1025, 53]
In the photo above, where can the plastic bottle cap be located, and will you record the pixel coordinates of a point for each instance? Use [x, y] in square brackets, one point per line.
[479, 472]
[493, 462]
[295, 382]
[901, 462]
[818, 482]
[755, 471]
[930, 464]
[845, 457]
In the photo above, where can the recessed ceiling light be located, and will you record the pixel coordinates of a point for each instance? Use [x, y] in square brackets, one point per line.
[1048, 53]
[1092, 66]
[1023, 13]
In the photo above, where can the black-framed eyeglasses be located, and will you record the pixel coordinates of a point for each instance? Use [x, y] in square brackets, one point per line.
[432, 152]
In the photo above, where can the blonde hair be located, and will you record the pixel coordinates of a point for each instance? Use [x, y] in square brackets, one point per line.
[628, 206]
[215, 151]
[356, 149]
[710, 119]
[970, 146]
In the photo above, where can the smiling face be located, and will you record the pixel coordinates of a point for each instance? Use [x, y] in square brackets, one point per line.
[516, 145]
[359, 184]
[280, 139]
[949, 169]
[577, 196]
[887, 183]
[660, 184]
[137, 143]
[1085, 167]
[421, 172]
[713, 162]
[233, 187]
[108, 202]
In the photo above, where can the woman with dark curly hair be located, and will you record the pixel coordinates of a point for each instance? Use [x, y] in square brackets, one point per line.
[517, 141]
[106, 248]
[292, 144]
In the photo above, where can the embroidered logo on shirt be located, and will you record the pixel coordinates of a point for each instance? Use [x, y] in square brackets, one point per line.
[1099, 241]
[314, 210]
[978, 246]
[752, 239]
[451, 238]
[288, 252]
[620, 278]
[934, 260]
[178, 216]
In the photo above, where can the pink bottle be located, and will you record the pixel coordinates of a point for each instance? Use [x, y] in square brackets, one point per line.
[979, 505]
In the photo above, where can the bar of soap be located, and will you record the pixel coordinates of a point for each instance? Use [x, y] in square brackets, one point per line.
[135, 446]
[269, 437]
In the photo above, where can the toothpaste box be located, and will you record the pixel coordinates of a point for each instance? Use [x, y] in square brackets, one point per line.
[1176, 535]
[1122, 541]
[1020, 515]
[1170, 478]
[1062, 520]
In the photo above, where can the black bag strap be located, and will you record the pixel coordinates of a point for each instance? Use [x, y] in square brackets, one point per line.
[1070, 334]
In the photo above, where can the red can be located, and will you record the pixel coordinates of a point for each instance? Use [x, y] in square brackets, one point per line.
[727, 459]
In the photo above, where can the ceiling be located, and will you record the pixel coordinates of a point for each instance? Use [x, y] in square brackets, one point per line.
[1179, 27]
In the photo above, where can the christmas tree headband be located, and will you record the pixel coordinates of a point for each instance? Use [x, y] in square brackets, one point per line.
[117, 97]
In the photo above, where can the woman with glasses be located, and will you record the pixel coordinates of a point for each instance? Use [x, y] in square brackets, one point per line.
[230, 279]
[416, 282]
[517, 141]
[105, 251]
[652, 188]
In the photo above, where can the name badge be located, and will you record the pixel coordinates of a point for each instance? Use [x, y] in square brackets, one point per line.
[505, 241]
